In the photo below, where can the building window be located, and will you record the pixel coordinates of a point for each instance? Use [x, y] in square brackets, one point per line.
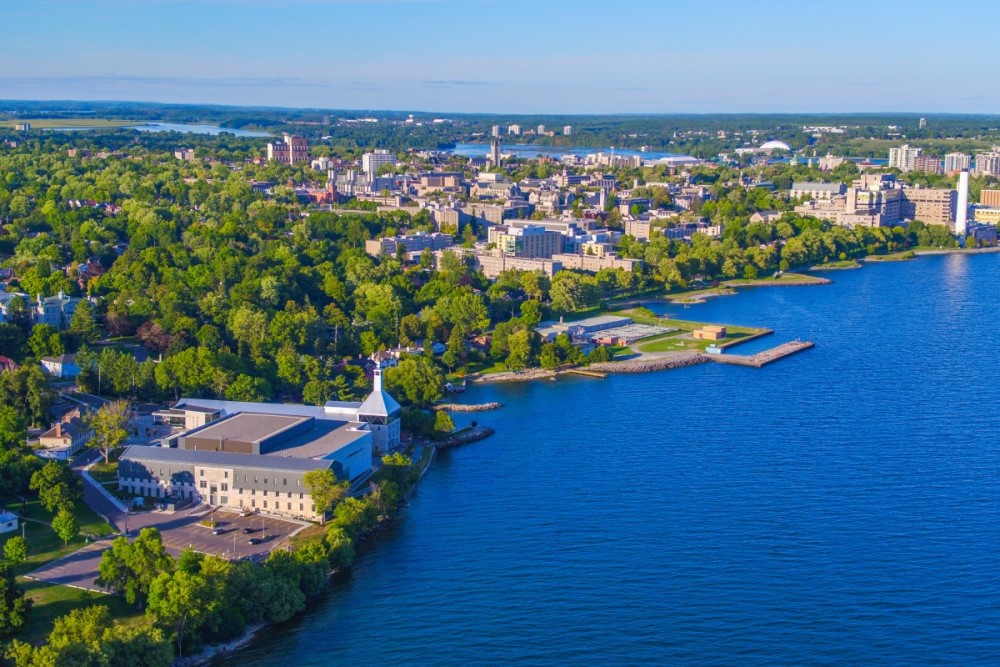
[225, 487]
[300, 507]
[203, 484]
[284, 482]
[225, 500]
[265, 480]
[253, 503]
[300, 496]
[265, 504]
[265, 492]
[253, 492]
[201, 473]
[255, 479]
[226, 474]
[289, 506]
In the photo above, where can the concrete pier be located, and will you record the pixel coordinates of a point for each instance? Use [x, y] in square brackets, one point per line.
[762, 358]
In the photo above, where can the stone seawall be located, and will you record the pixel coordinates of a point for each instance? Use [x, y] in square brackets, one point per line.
[650, 365]
[468, 407]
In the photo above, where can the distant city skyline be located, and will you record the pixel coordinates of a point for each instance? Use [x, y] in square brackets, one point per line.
[472, 56]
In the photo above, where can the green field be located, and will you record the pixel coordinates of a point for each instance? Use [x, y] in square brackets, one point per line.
[79, 123]
[52, 601]
[44, 546]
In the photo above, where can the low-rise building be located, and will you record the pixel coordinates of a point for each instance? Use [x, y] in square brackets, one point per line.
[63, 366]
[817, 191]
[709, 332]
[411, 243]
[8, 522]
[64, 439]
[594, 263]
[257, 455]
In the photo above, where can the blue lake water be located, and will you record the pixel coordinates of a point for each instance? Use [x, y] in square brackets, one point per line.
[839, 507]
[193, 128]
[533, 151]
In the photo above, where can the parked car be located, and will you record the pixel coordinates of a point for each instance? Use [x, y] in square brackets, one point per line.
[248, 531]
[255, 540]
[218, 531]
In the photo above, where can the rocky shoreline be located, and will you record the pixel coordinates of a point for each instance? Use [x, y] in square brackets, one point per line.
[472, 435]
[650, 365]
[468, 407]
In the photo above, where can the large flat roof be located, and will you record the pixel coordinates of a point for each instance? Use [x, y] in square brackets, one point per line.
[248, 427]
[197, 457]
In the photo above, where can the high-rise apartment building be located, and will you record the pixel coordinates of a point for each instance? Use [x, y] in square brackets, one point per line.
[289, 151]
[568, 130]
[514, 130]
[989, 163]
[956, 162]
[926, 163]
[903, 157]
[541, 129]
[371, 163]
[495, 131]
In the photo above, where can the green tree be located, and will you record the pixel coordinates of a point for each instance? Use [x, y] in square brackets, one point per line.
[15, 550]
[520, 350]
[45, 341]
[247, 388]
[180, 601]
[415, 379]
[83, 326]
[56, 486]
[65, 525]
[129, 568]
[340, 548]
[325, 490]
[110, 426]
[443, 423]
[14, 605]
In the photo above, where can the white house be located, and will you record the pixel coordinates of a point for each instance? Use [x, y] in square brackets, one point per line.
[63, 366]
[64, 439]
[8, 522]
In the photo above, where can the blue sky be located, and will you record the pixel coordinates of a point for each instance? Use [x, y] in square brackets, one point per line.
[527, 56]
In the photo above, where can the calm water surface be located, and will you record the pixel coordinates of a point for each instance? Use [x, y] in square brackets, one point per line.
[839, 507]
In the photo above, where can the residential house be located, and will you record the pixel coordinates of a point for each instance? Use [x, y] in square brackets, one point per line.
[63, 366]
[65, 438]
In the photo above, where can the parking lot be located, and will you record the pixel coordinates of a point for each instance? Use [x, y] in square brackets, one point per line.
[182, 530]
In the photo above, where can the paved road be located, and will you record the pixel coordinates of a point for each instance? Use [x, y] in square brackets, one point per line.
[94, 498]
[79, 569]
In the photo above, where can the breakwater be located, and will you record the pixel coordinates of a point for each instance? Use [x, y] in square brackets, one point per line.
[468, 407]
[465, 437]
[650, 364]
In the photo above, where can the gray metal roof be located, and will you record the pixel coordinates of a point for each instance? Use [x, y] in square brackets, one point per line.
[197, 457]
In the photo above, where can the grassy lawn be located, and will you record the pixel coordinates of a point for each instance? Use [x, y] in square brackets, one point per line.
[106, 472]
[52, 601]
[785, 278]
[49, 123]
[485, 368]
[44, 546]
[841, 264]
[891, 257]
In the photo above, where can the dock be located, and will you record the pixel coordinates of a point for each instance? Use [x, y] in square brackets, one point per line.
[587, 372]
[763, 358]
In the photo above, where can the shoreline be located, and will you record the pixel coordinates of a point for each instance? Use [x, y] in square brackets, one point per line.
[210, 653]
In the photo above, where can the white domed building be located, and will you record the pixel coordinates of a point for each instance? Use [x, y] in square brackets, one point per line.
[771, 146]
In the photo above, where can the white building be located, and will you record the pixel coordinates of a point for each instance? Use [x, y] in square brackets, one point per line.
[957, 162]
[514, 130]
[371, 163]
[8, 522]
[903, 157]
[63, 366]
[568, 130]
